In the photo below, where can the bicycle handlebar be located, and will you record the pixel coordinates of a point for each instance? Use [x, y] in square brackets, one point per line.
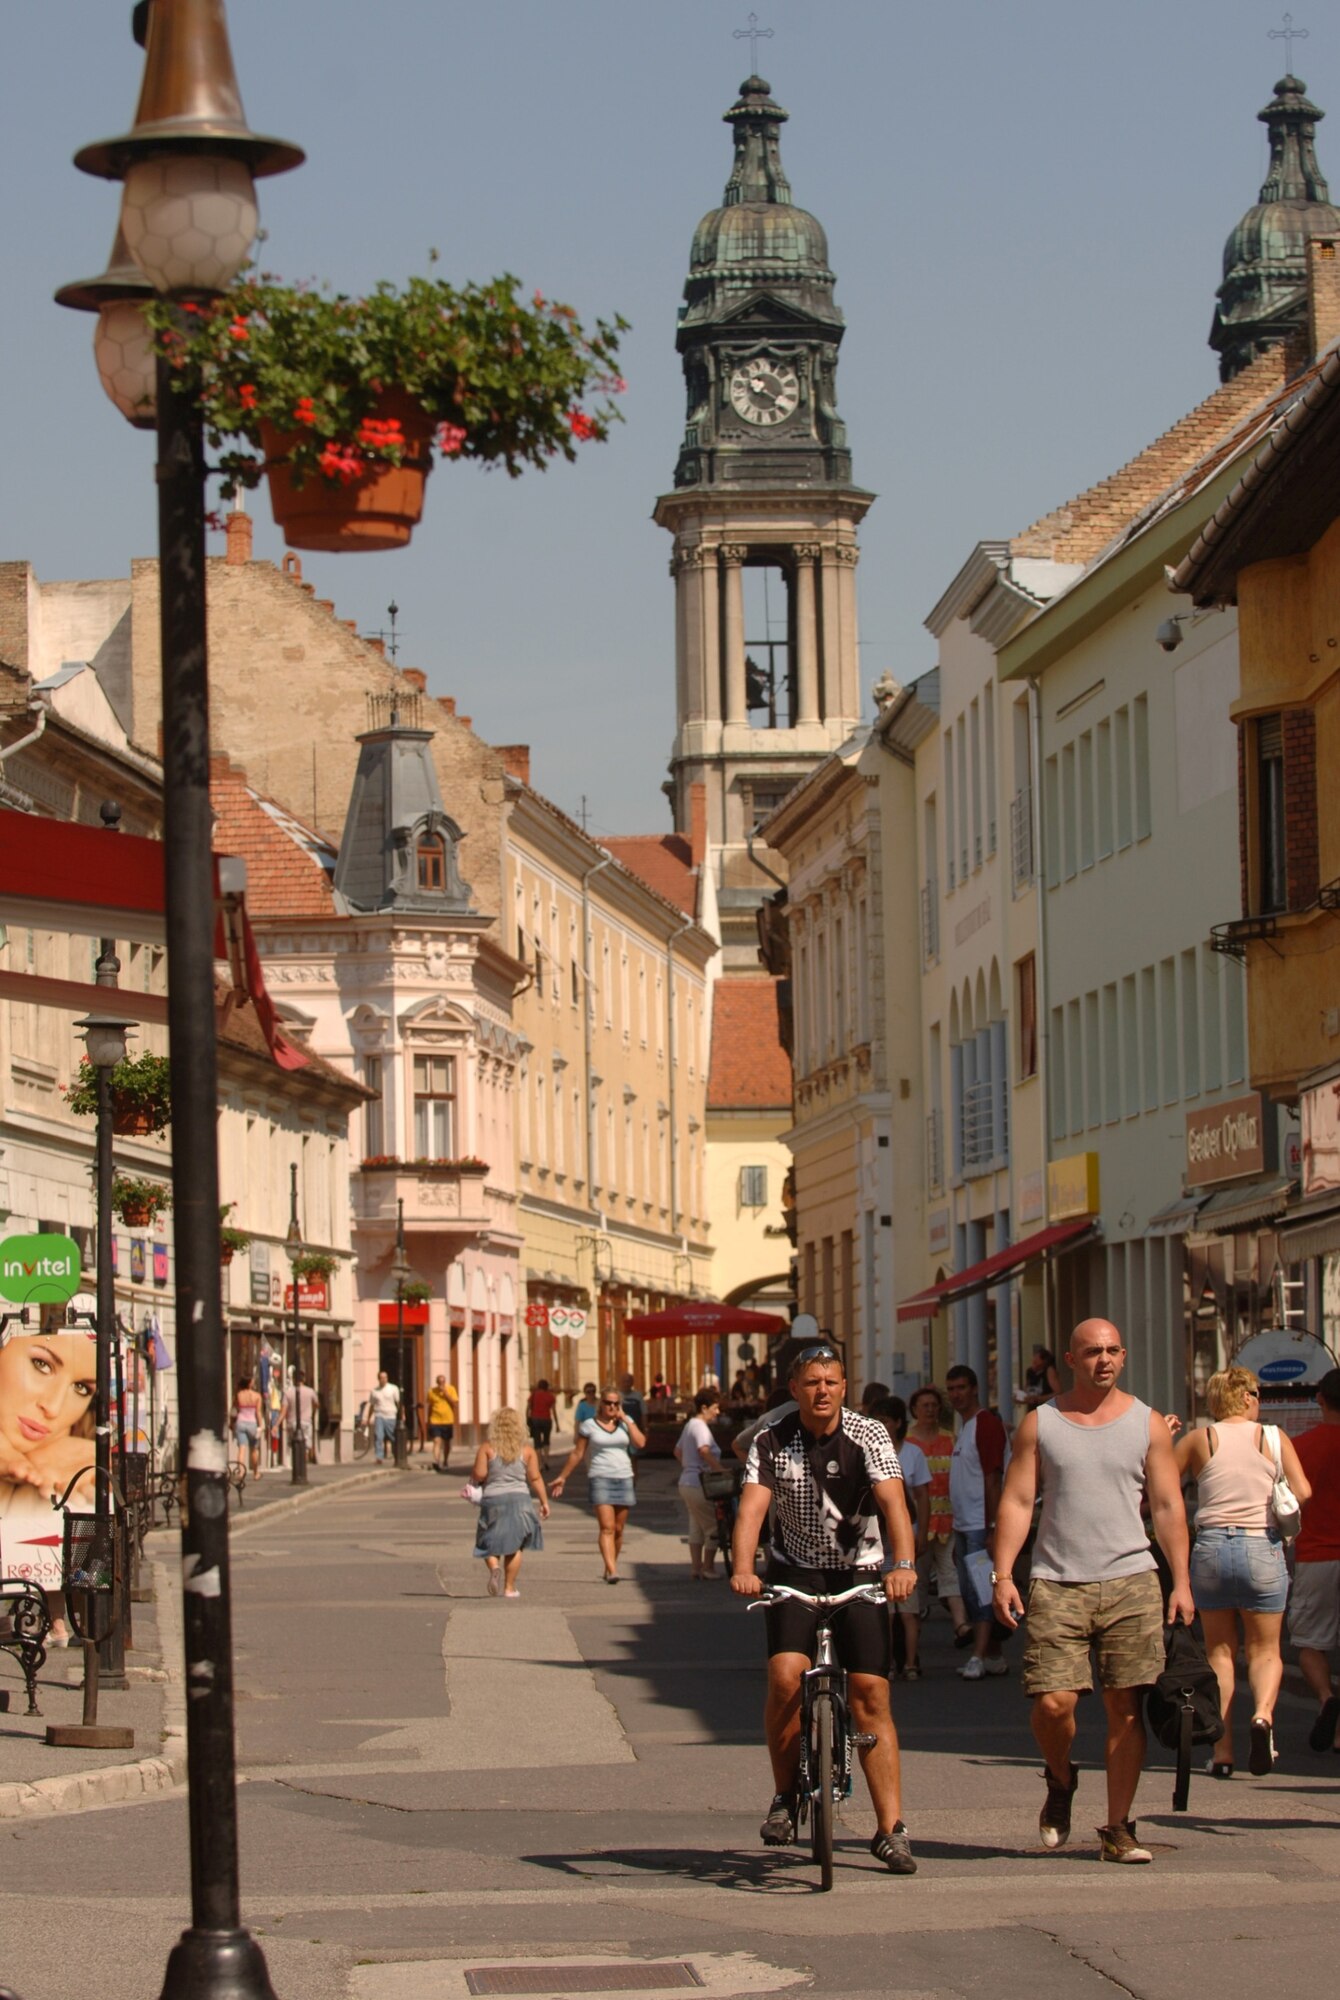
[860, 1593]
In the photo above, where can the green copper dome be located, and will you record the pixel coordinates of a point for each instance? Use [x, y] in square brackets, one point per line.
[1263, 298]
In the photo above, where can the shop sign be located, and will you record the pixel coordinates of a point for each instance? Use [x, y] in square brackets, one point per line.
[1321, 1137]
[1072, 1187]
[1227, 1142]
[937, 1230]
[537, 1314]
[567, 1322]
[1030, 1197]
[160, 1263]
[313, 1296]
[137, 1260]
[260, 1288]
[39, 1270]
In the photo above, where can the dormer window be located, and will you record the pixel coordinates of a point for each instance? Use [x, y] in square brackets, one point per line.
[432, 862]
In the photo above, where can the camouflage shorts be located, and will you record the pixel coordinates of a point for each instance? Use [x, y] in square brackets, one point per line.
[1123, 1619]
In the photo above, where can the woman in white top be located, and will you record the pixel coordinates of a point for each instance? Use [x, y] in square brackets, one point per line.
[697, 1448]
[1237, 1564]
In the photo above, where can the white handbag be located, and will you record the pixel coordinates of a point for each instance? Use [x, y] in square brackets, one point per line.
[1283, 1500]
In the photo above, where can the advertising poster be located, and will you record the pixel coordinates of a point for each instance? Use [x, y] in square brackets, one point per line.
[48, 1379]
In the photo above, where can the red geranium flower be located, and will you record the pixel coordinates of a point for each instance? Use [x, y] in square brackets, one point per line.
[240, 330]
[341, 461]
[246, 395]
[450, 438]
[581, 426]
[304, 411]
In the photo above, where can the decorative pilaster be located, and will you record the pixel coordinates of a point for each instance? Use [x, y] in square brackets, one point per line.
[807, 635]
[732, 557]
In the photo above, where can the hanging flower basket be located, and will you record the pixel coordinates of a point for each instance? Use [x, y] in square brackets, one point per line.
[341, 401]
[138, 1201]
[372, 505]
[141, 1094]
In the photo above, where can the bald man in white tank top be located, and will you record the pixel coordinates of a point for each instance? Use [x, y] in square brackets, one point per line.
[1094, 1453]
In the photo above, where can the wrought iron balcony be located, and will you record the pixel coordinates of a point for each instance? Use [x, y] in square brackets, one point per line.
[1021, 839]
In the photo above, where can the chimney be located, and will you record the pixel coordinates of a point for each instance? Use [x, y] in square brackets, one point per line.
[416, 678]
[697, 824]
[238, 530]
[447, 704]
[1323, 293]
[516, 760]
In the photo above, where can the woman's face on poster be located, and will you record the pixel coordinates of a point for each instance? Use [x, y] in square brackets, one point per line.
[47, 1382]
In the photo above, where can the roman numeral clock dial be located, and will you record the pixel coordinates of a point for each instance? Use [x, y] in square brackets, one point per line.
[764, 392]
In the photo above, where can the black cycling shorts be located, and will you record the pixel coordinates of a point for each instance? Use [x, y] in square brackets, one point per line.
[541, 1430]
[860, 1631]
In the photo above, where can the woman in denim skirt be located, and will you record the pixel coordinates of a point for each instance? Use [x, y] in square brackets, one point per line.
[1238, 1570]
[604, 1441]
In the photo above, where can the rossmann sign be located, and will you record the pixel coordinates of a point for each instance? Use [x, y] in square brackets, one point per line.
[1227, 1142]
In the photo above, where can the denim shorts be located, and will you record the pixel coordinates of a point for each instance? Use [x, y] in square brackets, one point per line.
[1239, 1569]
[612, 1493]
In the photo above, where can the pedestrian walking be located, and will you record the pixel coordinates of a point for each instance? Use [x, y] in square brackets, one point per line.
[1041, 1380]
[443, 1403]
[384, 1406]
[976, 1469]
[1238, 1572]
[247, 1423]
[1095, 1454]
[605, 1441]
[891, 1411]
[587, 1405]
[299, 1410]
[927, 1431]
[1314, 1611]
[514, 1502]
[540, 1406]
[698, 1448]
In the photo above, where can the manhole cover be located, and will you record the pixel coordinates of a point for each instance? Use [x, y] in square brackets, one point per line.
[613, 1976]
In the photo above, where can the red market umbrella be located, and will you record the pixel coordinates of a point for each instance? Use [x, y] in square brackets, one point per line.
[704, 1317]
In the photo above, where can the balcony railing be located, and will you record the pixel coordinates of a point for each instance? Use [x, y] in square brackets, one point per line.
[1021, 838]
[984, 1128]
[930, 920]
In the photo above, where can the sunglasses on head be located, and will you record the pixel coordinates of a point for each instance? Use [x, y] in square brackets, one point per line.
[822, 1351]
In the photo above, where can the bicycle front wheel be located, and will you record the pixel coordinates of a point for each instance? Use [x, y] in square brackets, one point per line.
[823, 1732]
[362, 1439]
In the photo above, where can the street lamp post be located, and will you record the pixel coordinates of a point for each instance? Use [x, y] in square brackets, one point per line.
[192, 156]
[105, 1039]
[403, 1272]
[297, 1436]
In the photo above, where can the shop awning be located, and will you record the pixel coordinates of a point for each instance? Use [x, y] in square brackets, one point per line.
[1177, 1217]
[1236, 1208]
[706, 1316]
[1313, 1229]
[993, 1270]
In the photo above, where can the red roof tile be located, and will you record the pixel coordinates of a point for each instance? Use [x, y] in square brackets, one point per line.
[285, 876]
[750, 1070]
[664, 861]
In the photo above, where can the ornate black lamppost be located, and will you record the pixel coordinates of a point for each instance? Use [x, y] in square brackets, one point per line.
[189, 218]
[297, 1436]
[402, 1271]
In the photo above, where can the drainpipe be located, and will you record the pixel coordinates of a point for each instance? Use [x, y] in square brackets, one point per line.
[672, 1052]
[587, 977]
[8, 749]
[1044, 1011]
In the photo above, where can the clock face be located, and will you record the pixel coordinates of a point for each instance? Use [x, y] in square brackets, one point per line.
[764, 392]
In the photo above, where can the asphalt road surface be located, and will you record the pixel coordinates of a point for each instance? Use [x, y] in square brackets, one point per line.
[440, 1789]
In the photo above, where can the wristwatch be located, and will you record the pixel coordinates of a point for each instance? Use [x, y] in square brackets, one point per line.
[903, 1565]
[1001, 1576]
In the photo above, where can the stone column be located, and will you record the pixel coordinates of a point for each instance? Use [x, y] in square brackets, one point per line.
[830, 638]
[732, 556]
[709, 627]
[807, 635]
[848, 556]
[684, 568]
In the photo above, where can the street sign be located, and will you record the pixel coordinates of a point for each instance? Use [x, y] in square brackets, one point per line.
[39, 1270]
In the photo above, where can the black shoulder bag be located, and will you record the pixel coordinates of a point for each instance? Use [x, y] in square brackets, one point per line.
[1183, 1704]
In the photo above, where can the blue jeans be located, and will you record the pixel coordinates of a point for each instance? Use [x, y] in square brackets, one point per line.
[966, 1542]
[383, 1430]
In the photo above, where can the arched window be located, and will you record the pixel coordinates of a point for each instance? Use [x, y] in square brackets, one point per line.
[432, 860]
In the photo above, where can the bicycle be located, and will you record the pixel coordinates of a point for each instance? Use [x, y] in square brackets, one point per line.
[363, 1428]
[827, 1738]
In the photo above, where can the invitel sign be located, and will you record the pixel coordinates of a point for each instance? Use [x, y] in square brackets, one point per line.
[1227, 1142]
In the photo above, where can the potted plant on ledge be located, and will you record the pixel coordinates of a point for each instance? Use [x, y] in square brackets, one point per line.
[141, 1094]
[417, 1292]
[138, 1201]
[231, 1239]
[342, 401]
[313, 1267]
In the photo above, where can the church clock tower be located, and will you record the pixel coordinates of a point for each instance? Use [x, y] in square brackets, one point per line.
[767, 675]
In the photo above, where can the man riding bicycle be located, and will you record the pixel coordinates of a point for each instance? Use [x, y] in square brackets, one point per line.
[832, 1477]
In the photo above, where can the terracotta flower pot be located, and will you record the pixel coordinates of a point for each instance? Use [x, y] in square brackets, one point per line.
[378, 510]
[131, 1120]
[225, 1255]
[136, 1214]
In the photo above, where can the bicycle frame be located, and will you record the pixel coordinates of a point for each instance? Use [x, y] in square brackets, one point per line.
[828, 1676]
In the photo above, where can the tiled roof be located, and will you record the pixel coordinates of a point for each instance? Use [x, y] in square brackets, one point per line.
[239, 1029]
[1083, 528]
[750, 1070]
[288, 866]
[664, 861]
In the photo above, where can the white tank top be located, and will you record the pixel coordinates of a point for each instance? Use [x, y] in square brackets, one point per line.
[1234, 1487]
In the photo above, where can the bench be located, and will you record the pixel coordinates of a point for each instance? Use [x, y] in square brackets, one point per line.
[24, 1624]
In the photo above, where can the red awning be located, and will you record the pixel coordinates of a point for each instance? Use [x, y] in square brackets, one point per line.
[703, 1316]
[992, 1270]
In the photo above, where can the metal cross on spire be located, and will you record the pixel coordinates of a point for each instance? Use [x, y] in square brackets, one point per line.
[753, 34]
[1288, 34]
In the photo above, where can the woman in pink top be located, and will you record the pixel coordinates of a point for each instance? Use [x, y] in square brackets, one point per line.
[1237, 1564]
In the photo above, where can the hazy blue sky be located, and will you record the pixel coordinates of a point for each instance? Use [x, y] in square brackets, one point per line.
[1026, 204]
